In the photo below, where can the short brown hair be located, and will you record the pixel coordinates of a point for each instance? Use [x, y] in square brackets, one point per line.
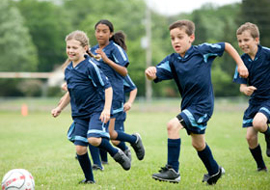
[252, 28]
[187, 25]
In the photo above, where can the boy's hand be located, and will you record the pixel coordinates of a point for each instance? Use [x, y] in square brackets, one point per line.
[150, 73]
[243, 71]
[56, 111]
[249, 90]
[105, 116]
[127, 106]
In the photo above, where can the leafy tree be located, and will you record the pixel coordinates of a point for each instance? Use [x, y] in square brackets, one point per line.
[257, 12]
[48, 25]
[16, 46]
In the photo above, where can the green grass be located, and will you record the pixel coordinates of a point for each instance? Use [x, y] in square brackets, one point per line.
[38, 143]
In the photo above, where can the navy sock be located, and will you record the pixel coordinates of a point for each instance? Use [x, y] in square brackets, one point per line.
[257, 155]
[103, 155]
[106, 145]
[174, 153]
[95, 154]
[122, 146]
[126, 137]
[208, 160]
[267, 132]
[85, 164]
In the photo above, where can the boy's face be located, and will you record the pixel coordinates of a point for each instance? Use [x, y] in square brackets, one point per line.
[181, 42]
[247, 43]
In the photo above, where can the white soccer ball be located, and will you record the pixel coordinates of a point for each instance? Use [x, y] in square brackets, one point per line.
[18, 179]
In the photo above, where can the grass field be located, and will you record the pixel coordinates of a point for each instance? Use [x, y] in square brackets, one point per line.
[38, 143]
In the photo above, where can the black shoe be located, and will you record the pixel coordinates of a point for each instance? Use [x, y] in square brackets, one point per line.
[86, 181]
[211, 180]
[138, 147]
[262, 169]
[128, 153]
[104, 162]
[267, 139]
[167, 173]
[122, 159]
[97, 167]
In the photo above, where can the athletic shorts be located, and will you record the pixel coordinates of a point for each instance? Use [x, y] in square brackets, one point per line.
[195, 121]
[83, 128]
[252, 110]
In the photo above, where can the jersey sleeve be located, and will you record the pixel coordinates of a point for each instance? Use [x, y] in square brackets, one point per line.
[120, 56]
[128, 84]
[238, 79]
[211, 50]
[97, 76]
[164, 71]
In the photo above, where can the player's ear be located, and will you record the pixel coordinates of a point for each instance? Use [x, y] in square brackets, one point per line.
[257, 40]
[192, 38]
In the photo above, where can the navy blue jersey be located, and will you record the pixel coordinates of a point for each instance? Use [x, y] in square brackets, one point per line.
[259, 74]
[86, 84]
[118, 55]
[192, 74]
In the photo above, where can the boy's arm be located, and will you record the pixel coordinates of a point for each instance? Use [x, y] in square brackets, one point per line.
[247, 90]
[61, 105]
[106, 113]
[132, 96]
[151, 72]
[242, 70]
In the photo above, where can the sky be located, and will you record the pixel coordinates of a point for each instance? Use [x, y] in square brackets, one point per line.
[173, 7]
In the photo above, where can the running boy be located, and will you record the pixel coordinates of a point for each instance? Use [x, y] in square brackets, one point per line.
[257, 86]
[90, 95]
[190, 67]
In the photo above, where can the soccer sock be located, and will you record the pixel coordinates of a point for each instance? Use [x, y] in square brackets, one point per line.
[267, 132]
[126, 137]
[208, 160]
[122, 145]
[94, 151]
[257, 155]
[174, 153]
[85, 164]
[103, 155]
[106, 145]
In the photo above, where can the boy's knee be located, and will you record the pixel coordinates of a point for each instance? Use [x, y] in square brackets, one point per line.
[171, 127]
[258, 124]
[198, 146]
[81, 150]
[94, 141]
[115, 143]
[113, 134]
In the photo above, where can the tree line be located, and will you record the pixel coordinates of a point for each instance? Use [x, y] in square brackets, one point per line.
[32, 34]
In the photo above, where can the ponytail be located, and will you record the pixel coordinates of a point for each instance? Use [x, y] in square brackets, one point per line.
[119, 38]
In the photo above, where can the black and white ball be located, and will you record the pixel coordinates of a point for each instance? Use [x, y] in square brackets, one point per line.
[18, 179]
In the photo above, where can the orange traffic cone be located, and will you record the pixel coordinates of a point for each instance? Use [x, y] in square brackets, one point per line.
[24, 110]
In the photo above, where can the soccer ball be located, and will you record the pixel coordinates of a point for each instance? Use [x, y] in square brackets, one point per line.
[18, 179]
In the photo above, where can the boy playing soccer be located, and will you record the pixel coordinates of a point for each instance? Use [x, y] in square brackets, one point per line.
[190, 67]
[257, 86]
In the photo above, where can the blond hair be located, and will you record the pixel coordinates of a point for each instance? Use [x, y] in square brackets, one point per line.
[82, 37]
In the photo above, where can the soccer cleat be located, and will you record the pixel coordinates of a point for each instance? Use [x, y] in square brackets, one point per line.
[128, 153]
[262, 169]
[86, 181]
[267, 139]
[122, 159]
[138, 147]
[167, 173]
[97, 167]
[211, 180]
[104, 162]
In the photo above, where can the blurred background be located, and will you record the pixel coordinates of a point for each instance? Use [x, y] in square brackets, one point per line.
[32, 46]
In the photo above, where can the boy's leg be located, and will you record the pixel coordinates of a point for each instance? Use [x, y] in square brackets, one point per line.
[103, 156]
[260, 124]
[85, 164]
[170, 171]
[95, 157]
[205, 154]
[255, 149]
